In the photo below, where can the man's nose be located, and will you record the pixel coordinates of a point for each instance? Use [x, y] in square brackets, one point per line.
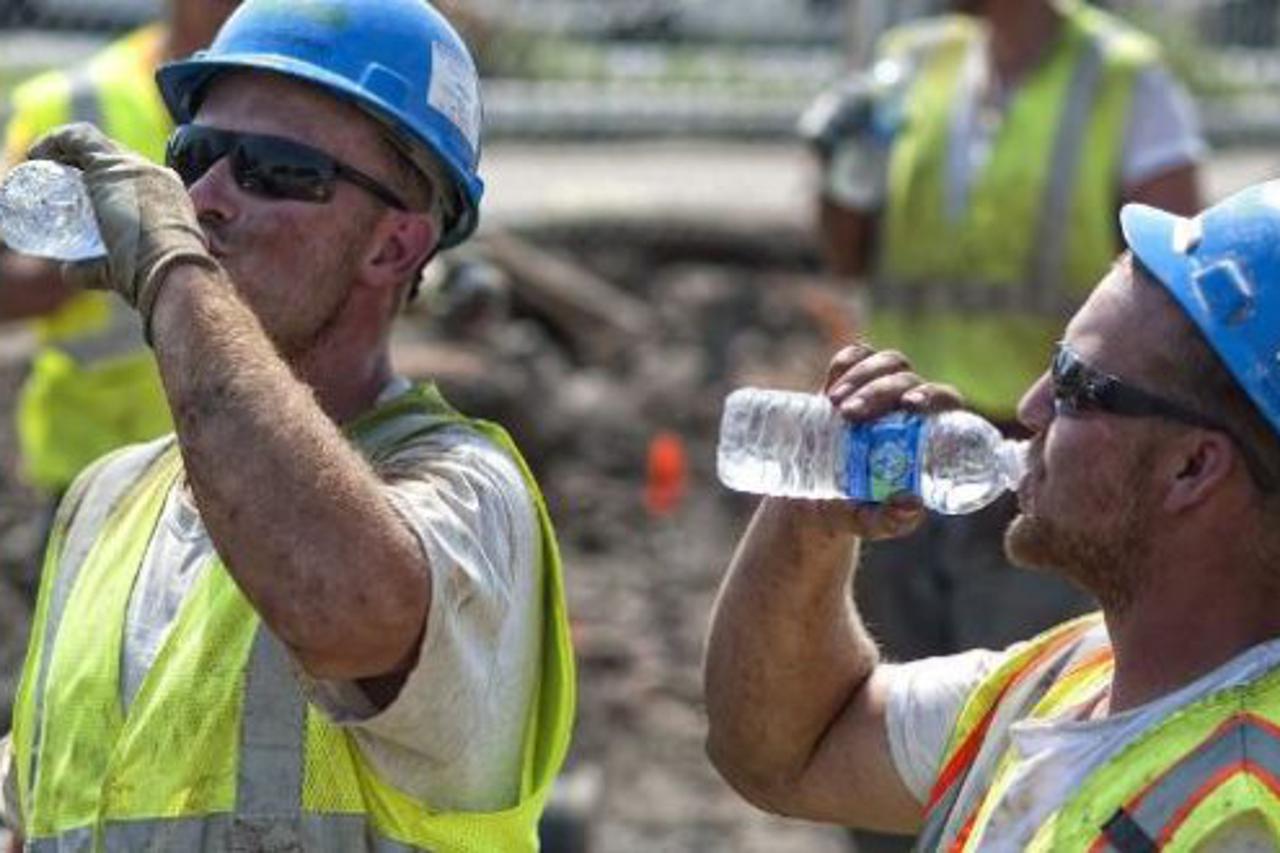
[214, 193]
[1035, 409]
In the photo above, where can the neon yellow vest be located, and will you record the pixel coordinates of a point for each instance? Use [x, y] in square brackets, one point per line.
[219, 750]
[94, 385]
[1174, 788]
[977, 298]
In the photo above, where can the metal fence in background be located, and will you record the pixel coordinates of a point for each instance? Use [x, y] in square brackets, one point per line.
[602, 68]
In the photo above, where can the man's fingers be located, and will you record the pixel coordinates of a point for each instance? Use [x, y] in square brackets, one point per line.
[933, 397]
[73, 144]
[879, 396]
[870, 366]
[894, 518]
[845, 359]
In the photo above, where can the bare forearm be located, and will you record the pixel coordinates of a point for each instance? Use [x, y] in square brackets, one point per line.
[786, 653]
[297, 515]
[29, 287]
[846, 239]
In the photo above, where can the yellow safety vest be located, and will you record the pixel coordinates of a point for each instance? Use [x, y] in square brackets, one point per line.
[977, 296]
[94, 385]
[1173, 788]
[219, 750]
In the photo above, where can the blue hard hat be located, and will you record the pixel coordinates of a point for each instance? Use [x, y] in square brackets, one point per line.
[1223, 268]
[398, 60]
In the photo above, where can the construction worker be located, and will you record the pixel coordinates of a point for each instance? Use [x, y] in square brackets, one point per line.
[1152, 483]
[93, 384]
[327, 613]
[970, 184]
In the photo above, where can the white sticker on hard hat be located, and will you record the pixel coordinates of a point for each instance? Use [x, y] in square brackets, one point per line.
[1187, 234]
[455, 91]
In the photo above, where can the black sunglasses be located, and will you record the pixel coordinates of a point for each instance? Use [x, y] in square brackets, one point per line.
[1077, 388]
[267, 166]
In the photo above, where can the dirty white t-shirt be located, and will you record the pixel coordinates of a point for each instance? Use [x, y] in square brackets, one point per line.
[1055, 756]
[453, 737]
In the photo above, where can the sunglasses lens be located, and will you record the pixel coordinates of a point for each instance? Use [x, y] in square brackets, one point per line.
[277, 168]
[1067, 381]
[262, 165]
[193, 151]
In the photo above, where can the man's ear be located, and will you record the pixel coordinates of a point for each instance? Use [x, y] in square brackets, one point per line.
[404, 240]
[1200, 463]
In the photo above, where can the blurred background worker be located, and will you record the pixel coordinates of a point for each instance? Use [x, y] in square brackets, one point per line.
[970, 184]
[93, 384]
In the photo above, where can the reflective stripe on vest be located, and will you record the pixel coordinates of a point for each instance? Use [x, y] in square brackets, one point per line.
[1155, 814]
[973, 756]
[219, 750]
[315, 834]
[1172, 788]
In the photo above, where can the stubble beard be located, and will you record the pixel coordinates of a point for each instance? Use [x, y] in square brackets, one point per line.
[1108, 559]
[298, 347]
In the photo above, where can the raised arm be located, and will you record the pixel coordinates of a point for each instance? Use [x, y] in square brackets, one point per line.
[298, 517]
[795, 698]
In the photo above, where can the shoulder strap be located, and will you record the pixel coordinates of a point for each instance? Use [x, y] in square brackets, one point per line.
[388, 427]
[92, 498]
[1048, 259]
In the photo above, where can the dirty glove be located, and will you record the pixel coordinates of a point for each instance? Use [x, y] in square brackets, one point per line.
[144, 213]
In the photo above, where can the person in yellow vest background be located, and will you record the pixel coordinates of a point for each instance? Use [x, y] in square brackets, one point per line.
[1153, 483]
[969, 182]
[93, 385]
[327, 613]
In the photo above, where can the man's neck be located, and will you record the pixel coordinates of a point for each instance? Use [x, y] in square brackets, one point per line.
[346, 380]
[1021, 33]
[1189, 621]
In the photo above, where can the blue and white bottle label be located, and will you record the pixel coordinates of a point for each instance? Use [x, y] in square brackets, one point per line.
[884, 457]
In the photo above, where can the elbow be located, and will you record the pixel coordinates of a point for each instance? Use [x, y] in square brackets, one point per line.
[362, 640]
[764, 789]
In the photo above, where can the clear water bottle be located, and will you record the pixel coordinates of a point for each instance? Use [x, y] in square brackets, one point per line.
[45, 211]
[799, 445]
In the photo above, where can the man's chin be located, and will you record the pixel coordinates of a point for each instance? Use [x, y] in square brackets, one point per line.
[1025, 543]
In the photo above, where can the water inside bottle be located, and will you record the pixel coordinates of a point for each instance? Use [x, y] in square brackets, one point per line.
[44, 211]
[967, 464]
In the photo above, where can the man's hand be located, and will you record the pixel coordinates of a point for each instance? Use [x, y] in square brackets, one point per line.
[147, 221]
[864, 385]
[796, 701]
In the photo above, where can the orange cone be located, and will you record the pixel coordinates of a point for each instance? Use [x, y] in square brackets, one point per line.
[667, 479]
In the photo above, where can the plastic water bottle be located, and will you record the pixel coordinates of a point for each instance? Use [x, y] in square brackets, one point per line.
[45, 211]
[799, 445]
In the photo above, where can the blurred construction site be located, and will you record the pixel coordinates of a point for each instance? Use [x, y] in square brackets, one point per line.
[647, 245]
